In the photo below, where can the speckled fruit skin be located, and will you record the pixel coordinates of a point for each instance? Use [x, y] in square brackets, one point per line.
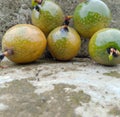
[91, 16]
[49, 17]
[100, 41]
[27, 42]
[64, 45]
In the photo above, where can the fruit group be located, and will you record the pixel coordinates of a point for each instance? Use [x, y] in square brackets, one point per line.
[104, 46]
[26, 42]
[47, 16]
[64, 43]
[91, 16]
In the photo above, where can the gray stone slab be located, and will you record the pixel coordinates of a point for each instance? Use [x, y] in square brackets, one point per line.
[79, 88]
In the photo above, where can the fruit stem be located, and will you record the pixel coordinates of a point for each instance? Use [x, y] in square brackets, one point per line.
[113, 53]
[38, 1]
[38, 6]
[6, 53]
[66, 22]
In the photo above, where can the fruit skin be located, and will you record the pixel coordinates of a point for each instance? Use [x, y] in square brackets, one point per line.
[33, 3]
[100, 42]
[49, 17]
[27, 42]
[91, 16]
[64, 45]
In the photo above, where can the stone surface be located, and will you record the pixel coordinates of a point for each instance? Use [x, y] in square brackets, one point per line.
[19, 11]
[79, 88]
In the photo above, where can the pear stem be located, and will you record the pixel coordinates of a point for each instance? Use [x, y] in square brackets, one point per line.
[113, 53]
[6, 53]
[38, 6]
[66, 22]
[38, 1]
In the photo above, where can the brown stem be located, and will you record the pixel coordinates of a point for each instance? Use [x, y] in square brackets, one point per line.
[6, 53]
[114, 51]
[66, 22]
[38, 1]
[117, 52]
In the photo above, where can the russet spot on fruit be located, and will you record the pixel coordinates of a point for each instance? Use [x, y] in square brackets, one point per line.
[23, 43]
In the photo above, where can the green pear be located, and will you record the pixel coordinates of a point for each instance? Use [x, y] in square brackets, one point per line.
[91, 16]
[104, 46]
[47, 16]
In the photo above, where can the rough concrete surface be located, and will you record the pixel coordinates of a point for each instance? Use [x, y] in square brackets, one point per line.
[48, 88]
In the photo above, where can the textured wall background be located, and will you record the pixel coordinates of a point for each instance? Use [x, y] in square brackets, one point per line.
[18, 11]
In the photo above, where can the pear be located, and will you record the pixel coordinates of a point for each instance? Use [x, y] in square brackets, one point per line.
[91, 16]
[104, 46]
[47, 15]
[23, 43]
[64, 42]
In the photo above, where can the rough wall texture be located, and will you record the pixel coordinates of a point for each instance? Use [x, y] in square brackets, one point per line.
[18, 11]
